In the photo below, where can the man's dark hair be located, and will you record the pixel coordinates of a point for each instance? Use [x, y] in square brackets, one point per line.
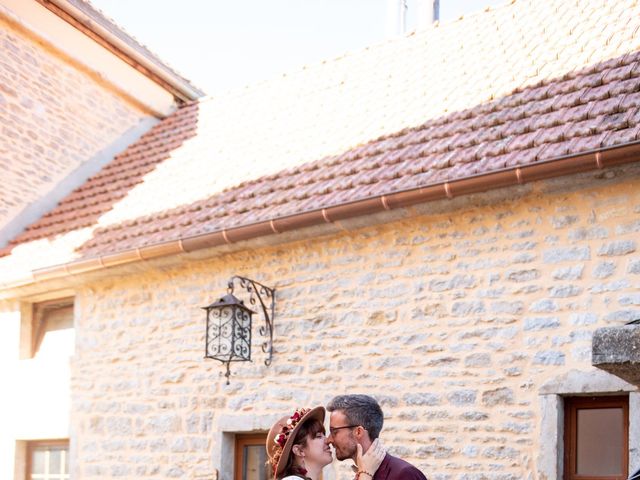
[360, 410]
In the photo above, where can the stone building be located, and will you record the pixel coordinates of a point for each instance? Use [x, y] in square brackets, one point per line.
[448, 220]
[74, 91]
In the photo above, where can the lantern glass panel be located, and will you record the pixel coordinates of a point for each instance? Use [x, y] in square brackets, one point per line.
[219, 333]
[229, 333]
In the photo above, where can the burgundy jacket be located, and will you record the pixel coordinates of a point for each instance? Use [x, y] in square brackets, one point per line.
[393, 468]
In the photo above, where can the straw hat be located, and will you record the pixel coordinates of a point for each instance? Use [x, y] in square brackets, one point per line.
[283, 433]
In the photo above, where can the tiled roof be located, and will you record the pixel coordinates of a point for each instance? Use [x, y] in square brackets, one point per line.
[525, 83]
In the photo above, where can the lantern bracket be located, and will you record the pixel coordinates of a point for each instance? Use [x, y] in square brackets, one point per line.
[266, 297]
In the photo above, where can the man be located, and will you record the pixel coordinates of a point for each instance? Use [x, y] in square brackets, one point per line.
[357, 420]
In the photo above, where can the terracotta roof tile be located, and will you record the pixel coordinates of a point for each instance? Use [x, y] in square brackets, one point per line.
[550, 80]
[631, 100]
[619, 137]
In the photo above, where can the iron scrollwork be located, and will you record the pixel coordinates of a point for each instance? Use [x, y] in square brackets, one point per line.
[266, 298]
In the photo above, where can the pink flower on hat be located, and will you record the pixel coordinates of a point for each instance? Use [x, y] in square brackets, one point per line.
[280, 439]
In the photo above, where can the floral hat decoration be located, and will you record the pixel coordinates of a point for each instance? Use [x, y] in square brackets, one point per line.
[283, 433]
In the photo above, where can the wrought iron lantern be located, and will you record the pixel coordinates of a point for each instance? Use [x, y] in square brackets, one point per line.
[229, 324]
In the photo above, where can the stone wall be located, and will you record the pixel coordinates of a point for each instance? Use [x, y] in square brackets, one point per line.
[55, 116]
[453, 319]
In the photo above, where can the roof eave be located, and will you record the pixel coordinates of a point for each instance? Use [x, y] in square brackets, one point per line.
[91, 22]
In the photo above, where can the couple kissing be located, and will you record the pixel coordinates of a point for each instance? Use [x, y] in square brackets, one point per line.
[298, 446]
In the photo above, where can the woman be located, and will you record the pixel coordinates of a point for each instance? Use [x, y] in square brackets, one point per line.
[297, 448]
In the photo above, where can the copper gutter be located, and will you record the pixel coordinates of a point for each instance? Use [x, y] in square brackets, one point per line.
[570, 164]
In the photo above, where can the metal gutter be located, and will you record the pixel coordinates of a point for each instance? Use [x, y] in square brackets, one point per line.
[566, 165]
[81, 15]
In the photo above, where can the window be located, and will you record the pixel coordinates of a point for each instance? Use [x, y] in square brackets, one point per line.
[48, 460]
[251, 457]
[596, 438]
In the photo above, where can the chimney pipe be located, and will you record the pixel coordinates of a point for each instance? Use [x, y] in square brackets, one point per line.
[396, 17]
[428, 12]
[424, 13]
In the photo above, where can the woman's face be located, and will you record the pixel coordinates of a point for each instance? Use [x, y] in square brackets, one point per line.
[317, 450]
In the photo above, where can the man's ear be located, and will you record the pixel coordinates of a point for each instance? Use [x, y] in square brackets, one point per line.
[361, 433]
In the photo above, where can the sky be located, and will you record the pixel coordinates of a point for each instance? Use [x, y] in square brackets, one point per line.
[226, 44]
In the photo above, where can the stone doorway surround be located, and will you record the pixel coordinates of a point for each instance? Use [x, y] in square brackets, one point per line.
[225, 430]
[577, 383]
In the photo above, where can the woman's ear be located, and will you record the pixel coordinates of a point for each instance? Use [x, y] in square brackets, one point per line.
[297, 451]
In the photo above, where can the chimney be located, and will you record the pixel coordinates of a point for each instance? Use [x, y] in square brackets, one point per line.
[428, 12]
[422, 12]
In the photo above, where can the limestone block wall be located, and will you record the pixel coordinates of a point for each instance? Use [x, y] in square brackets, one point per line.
[453, 319]
[54, 116]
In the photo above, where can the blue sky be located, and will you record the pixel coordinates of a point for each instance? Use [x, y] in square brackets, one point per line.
[223, 44]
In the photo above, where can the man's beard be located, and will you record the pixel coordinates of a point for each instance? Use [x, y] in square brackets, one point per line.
[347, 453]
